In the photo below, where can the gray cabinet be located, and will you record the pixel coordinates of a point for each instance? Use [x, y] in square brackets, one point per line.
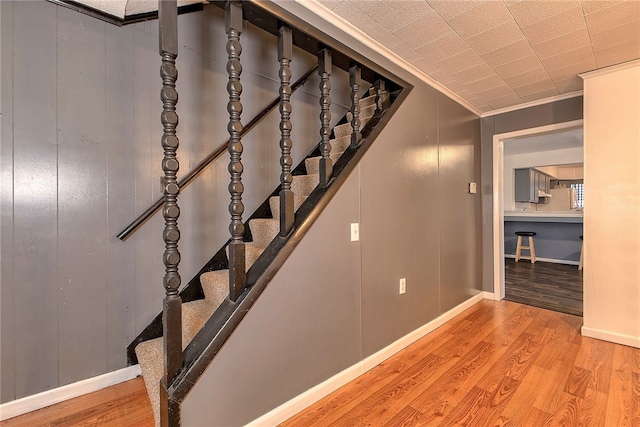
[531, 186]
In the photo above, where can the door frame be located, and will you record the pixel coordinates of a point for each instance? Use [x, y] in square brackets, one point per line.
[498, 194]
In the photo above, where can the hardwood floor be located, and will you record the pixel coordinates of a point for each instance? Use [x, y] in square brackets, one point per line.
[125, 404]
[496, 364]
[556, 287]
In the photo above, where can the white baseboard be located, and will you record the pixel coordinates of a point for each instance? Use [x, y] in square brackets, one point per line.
[489, 295]
[69, 391]
[553, 260]
[302, 401]
[629, 340]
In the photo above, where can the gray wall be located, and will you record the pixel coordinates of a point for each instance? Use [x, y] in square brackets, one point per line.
[335, 302]
[80, 157]
[555, 112]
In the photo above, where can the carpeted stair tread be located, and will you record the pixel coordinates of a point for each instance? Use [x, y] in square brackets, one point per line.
[149, 353]
[264, 230]
[303, 185]
[215, 285]
[365, 114]
[340, 145]
[313, 163]
[274, 204]
[251, 253]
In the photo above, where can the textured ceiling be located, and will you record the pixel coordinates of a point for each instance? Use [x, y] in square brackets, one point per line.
[492, 54]
[496, 54]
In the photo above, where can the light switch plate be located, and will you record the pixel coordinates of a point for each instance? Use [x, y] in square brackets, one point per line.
[355, 231]
[473, 188]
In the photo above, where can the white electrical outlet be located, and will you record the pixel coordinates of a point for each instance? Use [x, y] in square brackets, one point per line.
[403, 285]
[355, 232]
[473, 188]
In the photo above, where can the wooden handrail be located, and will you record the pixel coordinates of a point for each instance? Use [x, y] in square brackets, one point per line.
[185, 180]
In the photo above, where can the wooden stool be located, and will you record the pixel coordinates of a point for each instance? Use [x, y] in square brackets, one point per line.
[580, 265]
[531, 248]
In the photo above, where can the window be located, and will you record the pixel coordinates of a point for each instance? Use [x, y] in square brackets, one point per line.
[579, 189]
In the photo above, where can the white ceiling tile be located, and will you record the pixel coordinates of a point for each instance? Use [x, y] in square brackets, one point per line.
[615, 16]
[591, 6]
[564, 43]
[503, 35]
[617, 54]
[348, 11]
[406, 53]
[629, 33]
[423, 30]
[330, 4]
[571, 70]
[535, 96]
[529, 12]
[364, 5]
[483, 84]
[426, 67]
[518, 66]
[572, 84]
[395, 14]
[504, 101]
[461, 61]
[472, 74]
[528, 77]
[449, 9]
[481, 18]
[384, 36]
[444, 47]
[567, 22]
[495, 92]
[580, 55]
[540, 86]
[441, 77]
[510, 53]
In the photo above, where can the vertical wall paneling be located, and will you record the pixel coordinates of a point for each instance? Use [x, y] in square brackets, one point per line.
[82, 249]
[399, 226]
[35, 196]
[6, 203]
[459, 137]
[146, 75]
[120, 164]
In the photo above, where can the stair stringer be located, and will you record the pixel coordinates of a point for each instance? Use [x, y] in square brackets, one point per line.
[209, 342]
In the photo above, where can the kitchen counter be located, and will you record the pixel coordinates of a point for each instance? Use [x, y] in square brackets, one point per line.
[558, 234]
[544, 216]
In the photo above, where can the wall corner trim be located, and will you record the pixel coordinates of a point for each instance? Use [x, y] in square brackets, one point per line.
[302, 401]
[613, 337]
[610, 69]
[489, 295]
[51, 397]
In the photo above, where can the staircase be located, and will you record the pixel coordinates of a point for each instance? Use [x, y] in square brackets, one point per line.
[215, 284]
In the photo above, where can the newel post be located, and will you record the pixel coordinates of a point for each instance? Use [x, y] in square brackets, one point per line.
[172, 303]
[285, 52]
[324, 70]
[237, 271]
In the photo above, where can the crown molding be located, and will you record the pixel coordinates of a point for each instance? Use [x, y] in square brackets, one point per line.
[533, 103]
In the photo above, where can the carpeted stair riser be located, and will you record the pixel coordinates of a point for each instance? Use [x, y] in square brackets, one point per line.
[215, 284]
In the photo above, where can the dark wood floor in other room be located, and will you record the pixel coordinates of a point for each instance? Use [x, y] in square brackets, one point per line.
[496, 364]
[556, 287]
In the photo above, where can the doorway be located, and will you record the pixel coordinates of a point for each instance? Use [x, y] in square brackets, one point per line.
[499, 183]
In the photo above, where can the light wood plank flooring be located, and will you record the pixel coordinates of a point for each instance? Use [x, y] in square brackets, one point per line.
[496, 364]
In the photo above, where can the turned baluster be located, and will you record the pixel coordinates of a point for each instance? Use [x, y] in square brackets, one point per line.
[285, 53]
[354, 80]
[382, 98]
[324, 70]
[237, 271]
[172, 304]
